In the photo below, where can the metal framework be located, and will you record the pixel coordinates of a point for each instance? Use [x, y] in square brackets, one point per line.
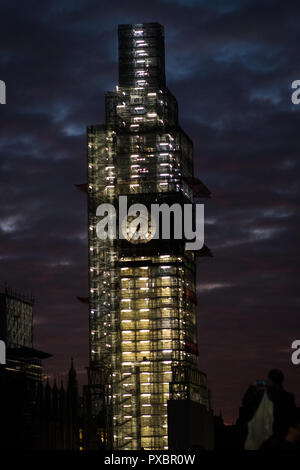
[16, 322]
[142, 296]
[16, 330]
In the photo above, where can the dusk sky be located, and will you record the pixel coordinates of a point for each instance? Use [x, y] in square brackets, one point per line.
[230, 65]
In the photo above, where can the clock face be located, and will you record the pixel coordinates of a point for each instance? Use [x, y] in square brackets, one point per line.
[138, 229]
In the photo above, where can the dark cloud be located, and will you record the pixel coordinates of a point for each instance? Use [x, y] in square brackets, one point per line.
[230, 65]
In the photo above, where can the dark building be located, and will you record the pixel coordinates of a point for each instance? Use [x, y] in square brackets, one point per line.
[21, 376]
[190, 415]
[16, 330]
[143, 325]
[33, 415]
[59, 416]
[227, 437]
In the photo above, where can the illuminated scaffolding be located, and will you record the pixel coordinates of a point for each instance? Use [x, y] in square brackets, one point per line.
[142, 295]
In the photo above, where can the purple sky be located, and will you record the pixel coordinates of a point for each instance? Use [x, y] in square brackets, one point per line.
[230, 64]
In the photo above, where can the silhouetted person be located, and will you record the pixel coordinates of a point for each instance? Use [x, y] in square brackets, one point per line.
[283, 403]
[291, 439]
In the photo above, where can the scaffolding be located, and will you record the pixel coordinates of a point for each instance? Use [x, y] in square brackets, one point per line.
[16, 319]
[142, 295]
[16, 330]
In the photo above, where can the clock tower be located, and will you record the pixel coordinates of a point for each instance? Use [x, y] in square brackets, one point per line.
[143, 325]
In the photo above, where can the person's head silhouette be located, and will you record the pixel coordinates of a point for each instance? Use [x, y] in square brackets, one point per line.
[275, 378]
